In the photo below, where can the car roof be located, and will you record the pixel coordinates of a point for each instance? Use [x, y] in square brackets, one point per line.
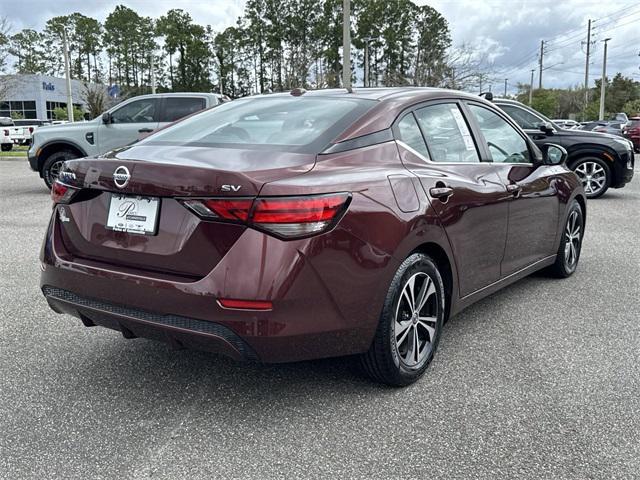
[390, 102]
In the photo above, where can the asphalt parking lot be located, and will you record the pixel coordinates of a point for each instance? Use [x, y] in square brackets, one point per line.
[541, 380]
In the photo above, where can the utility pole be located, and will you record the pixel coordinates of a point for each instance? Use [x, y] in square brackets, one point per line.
[603, 82]
[153, 76]
[505, 86]
[531, 87]
[67, 71]
[540, 61]
[586, 66]
[366, 60]
[346, 44]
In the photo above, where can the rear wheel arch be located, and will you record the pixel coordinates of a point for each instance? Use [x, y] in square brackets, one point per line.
[444, 264]
[583, 205]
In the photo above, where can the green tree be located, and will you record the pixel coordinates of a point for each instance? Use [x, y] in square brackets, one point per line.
[60, 113]
[25, 47]
[632, 108]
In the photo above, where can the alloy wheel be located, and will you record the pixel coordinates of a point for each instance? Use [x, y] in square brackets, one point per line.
[593, 177]
[54, 170]
[416, 319]
[572, 240]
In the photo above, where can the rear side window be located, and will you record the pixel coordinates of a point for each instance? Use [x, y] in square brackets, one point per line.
[282, 122]
[409, 133]
[176, 108]
[447, 134]
[504, 142]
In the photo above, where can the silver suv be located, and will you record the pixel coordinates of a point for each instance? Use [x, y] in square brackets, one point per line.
[125, 123]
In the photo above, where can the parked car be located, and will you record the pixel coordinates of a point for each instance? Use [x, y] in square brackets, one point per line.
[632, 132]
[123, 124]
[602, 161]
[294, 226]
[567, 124]
[612, 128]
[23, 130]
[6, 142]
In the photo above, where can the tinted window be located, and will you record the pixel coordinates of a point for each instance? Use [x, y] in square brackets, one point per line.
[138, 111]
[505, 143]
[176, 108]
[277, 121]
[447, 134]
[409, 133]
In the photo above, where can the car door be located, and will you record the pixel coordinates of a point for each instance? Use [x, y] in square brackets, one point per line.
[436, 144]
[128, 123]
[534, 206]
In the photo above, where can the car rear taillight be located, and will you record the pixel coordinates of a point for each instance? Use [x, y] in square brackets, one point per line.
[284, 217]
[221, 208]
[61, 193]
[297, 217]
[6, 133]
[30, 129]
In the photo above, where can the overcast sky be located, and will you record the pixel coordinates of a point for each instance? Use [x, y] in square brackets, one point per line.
[509, 31]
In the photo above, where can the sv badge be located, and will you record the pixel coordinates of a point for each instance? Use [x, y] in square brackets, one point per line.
[231, 188]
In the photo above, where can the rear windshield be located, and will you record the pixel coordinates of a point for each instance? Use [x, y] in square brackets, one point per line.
[299, 124]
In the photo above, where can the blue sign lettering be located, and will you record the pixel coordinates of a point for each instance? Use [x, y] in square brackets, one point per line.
[48, 86]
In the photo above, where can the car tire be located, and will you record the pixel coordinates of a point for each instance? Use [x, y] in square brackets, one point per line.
[594, 174]
[571, 243]
[392, 357]
[52, 164]
[6, 147]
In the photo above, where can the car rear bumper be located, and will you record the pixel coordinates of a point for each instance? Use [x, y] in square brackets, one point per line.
[316, 310]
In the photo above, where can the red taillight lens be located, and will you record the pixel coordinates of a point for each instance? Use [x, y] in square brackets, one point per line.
[299, 216]
[61, 193]
[30, 129]
[223, 208]
[245, 304]
[285, 217]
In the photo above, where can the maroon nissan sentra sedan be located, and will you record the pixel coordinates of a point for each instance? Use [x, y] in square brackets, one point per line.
[311, 224]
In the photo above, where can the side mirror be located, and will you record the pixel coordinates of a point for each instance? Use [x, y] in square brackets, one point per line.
[546, 128]
[106, 117]
[553, 154]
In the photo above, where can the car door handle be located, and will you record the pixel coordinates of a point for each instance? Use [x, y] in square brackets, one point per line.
[514, 189]
[442, 193]
[145, 130]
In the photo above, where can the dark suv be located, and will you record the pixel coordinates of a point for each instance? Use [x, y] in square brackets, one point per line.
[601, 161]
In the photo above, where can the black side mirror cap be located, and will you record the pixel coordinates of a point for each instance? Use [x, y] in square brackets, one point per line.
[106, 117]
[553, 154]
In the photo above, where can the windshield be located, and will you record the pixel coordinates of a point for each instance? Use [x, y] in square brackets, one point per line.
[280, 122]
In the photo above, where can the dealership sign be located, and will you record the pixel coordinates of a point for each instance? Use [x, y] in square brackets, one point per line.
[48, 86]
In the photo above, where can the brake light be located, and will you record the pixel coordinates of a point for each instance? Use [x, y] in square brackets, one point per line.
[296, 217]
[284, 217]
[30, 129]
[61, 193]
[6, 133]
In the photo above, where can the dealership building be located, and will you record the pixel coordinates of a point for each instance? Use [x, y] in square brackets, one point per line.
[37, 96]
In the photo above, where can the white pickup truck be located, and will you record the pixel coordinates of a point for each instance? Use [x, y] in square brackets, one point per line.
[23, 130]
[6, 142]
[123, 124]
